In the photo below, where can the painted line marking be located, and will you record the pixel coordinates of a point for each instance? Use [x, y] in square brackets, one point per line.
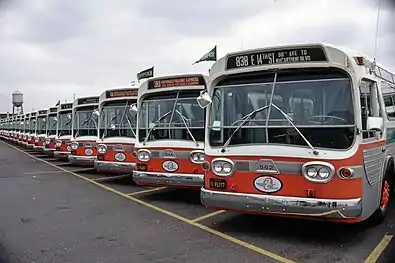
[378, 250]
[109, 178]
[43, 172]
[171, 214]
[146, 191]
[208, 216]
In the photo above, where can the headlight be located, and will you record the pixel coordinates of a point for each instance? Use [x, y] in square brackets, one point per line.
[144, 155]
[36, 139]
[222, 167]
[24, 137]
[319, 172]
[74, 145]
[29, 138]
[197, 157]
[101, 148]
[47, 141]
[58, 143]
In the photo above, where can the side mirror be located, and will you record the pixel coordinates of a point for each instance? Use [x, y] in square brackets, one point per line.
[112, 126]
[133, 109]
[55, 119]
[375, 124]
[216, 124]
[69, 116]
[204, 99]
[96, 113]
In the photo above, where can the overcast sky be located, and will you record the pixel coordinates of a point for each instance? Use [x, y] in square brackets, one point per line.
[50, 49]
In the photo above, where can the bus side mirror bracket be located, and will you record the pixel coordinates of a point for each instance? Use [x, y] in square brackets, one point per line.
[204, 99]
[133, 109]
[375, 124]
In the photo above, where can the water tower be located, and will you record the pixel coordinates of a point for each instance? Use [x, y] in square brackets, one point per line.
[17, 102]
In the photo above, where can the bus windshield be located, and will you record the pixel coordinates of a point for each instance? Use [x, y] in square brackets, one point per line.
[171, 116]
[319, 103]
[41, 124]
[116, 120]
[85, 122]
[64, 123]
[32, 125]
[26, 126]
[51, 124]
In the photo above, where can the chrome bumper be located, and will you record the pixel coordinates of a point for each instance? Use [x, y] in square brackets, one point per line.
[114, 166]
[61, 155]
[325, 208]
[196, 180]
[30, 146]
[38, 148]
[82, 159]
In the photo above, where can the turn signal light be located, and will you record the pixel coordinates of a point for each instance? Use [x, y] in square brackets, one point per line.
[346, 173]
[206, 166]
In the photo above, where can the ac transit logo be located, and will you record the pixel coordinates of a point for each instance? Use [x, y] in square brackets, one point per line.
[170, 166]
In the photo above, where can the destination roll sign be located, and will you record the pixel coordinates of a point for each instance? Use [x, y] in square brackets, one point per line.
[66, 106]
[53, 110]
[279, 56]
[91, 100]
[121, 93]
[42, 112]
[176, 82]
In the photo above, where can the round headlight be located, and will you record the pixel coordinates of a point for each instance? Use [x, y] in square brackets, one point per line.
[197, 157]
[143, 155]
[58, 143]
[74, 145]
[312, 172]
[217, 167]
[324, 173]
[101, 148]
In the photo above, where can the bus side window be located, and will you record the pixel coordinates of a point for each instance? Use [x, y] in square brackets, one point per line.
[370, 105]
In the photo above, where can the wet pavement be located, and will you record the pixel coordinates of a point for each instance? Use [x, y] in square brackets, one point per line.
[54, 212]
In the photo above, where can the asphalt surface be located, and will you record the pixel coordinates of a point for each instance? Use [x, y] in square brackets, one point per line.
[52, 215]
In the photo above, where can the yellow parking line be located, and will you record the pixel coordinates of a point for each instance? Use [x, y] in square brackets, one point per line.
[163, 211]
[147, 191]
[208, 216]
[378, 250]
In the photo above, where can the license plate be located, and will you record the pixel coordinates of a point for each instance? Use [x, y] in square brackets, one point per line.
[218, 183]
[141, 167]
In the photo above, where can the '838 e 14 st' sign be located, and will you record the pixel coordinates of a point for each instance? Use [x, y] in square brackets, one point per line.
[280, 56]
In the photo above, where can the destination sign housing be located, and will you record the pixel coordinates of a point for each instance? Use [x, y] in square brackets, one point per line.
[176, 82]
[41, 112]
[279, 56]
[91, 100]
[121, 93]
[66, 106]
[53, 110]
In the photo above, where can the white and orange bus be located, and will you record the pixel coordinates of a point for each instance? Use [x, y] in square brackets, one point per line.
[299, 131]
[31, 129]
[170, 132]
[63, 131]
[50, 131]
[40, 132]
[117, 131]
[84, 131]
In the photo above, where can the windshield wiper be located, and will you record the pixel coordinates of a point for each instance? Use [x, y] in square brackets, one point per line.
[108, 125]
[241, 124]
[130, 125]
[186, 126]
[299, 132]
[156, 124]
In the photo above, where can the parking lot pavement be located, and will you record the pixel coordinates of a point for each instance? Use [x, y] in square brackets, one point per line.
[59, 218]
[172, 213]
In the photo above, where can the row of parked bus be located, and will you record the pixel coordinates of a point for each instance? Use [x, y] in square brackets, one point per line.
[299, 131]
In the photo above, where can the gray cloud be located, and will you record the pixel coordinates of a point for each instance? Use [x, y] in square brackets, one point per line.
[50, 49]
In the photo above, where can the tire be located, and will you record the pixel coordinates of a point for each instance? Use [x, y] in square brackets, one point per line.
[386, 196]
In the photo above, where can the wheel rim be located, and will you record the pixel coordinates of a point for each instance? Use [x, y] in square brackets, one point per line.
[385, 196]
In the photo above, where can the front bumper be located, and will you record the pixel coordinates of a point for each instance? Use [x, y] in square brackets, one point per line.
[38, 148]
[283, 205]
[168, 179]
[82, 159]
[30, 146]
[61, 155]
[114, 166]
